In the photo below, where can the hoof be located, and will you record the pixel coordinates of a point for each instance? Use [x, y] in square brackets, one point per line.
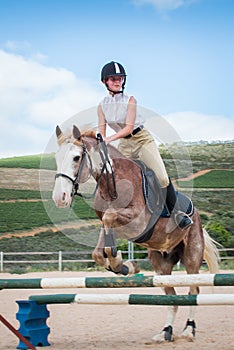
[132, 267]
[189, 331]
[124, 270]
[165, 335]
[168, 333]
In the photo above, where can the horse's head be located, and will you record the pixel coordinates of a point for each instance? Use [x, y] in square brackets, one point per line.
[71, 167]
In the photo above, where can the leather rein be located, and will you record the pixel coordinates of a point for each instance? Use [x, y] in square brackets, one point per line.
[105, 163]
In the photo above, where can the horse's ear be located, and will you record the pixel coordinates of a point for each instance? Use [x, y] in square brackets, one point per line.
[76, 133]
[58, 131]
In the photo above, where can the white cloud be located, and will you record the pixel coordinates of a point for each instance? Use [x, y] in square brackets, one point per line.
[165, 5]
[34, 98]
[192, 126]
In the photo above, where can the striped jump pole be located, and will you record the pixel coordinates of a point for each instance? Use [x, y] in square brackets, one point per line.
[120, 282]
[135, 299]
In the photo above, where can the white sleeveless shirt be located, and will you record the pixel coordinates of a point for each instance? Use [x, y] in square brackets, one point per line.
[115, 111]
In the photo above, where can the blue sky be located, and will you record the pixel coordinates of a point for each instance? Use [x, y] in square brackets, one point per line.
[178, 55]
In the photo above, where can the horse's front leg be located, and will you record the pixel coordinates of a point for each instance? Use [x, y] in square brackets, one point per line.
[114, 256]
[98, 253]
[106, 254]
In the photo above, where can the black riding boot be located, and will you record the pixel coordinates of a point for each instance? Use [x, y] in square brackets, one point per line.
[181, 219]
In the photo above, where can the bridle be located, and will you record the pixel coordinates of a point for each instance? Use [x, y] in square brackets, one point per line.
[105, 163]
[76, 181]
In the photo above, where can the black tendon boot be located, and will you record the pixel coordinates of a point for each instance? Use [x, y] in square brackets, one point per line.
[181, 219]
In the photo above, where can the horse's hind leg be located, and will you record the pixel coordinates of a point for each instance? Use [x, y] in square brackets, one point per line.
[190, 327]
[163, 266]
[192, 260]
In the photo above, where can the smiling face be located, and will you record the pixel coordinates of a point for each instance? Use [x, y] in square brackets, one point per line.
[114, 83]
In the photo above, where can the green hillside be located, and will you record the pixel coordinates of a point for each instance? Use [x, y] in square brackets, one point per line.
[201, 156]
[45, 161]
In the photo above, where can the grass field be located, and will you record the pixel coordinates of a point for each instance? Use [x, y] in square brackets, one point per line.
[9, 194]
[25, 215]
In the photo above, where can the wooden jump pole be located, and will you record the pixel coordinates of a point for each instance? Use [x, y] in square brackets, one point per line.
[135, 299]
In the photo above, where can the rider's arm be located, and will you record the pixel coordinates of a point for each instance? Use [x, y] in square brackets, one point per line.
[101, 122]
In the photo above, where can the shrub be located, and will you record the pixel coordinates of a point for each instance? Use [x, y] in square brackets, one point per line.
[219, 233]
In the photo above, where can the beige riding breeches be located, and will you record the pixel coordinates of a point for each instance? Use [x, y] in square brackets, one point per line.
[142, 146]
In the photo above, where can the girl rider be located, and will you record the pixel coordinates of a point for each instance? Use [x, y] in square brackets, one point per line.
[120, 113]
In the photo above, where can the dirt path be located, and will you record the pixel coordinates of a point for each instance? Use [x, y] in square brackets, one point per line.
[34, 179]
[33, 232]
[26, 179]
[193, 176]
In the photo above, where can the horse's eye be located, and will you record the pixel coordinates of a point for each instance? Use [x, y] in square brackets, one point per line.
[76, 159]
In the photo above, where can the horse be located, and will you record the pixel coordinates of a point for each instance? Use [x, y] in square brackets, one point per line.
[120, 204]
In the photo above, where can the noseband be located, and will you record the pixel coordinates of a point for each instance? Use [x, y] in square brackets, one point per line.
[74, 182]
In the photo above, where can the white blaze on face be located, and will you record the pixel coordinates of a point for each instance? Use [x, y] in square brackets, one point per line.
[65, 165]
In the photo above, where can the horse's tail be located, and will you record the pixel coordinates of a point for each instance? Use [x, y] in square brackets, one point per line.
[211, 253]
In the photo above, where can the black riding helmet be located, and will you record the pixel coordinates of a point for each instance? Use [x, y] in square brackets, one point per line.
[113, 69]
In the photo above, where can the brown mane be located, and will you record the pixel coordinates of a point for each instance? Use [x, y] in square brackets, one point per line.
[89, 133]
[68, 137]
